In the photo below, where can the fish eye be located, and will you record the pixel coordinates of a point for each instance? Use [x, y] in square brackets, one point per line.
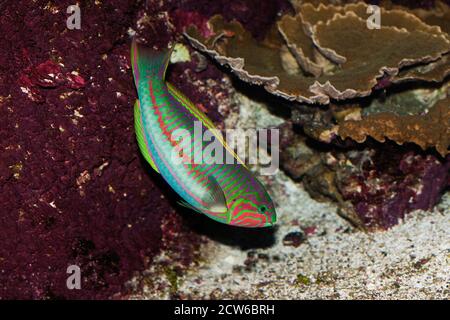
[262, 209]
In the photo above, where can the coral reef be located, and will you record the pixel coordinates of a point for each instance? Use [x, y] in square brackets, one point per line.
[347, 85]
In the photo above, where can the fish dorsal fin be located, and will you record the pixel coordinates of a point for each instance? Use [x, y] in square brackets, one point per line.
[140, 136]
[180, 97]
[215, 198]
[197, 113]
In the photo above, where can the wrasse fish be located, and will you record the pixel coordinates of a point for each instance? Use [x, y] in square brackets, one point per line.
[228, 193]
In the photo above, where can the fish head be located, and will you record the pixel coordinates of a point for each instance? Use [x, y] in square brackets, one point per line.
[252, 210]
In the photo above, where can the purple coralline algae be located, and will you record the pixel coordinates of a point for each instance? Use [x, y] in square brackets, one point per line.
[382, 191]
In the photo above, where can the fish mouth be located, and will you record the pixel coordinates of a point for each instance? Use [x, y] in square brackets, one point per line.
[266, 224]
[272, 221]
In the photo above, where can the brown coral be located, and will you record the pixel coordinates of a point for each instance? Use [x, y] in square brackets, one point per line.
[365, 55]
[371, 53]
[426, 130]
[300, 44]
[435, 71]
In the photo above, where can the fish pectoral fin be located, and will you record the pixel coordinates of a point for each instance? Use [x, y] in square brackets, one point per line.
[215, 198]
[140, 136]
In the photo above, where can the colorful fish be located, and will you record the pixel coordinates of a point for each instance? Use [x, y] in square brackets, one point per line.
[228, 193]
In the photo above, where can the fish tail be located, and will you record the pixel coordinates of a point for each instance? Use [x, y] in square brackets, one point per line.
[147, 62]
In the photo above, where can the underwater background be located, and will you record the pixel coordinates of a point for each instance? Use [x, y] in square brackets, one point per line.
[363, 207]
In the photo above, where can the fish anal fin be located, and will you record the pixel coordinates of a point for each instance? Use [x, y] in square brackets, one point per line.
[140, 136]
[189, 206]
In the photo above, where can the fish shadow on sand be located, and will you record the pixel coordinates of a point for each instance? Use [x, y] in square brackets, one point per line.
[244, 238]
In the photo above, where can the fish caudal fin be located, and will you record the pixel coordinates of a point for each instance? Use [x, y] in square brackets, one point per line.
[147, 62]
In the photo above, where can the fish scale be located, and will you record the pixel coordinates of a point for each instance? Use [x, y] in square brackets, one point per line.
[228, 193]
